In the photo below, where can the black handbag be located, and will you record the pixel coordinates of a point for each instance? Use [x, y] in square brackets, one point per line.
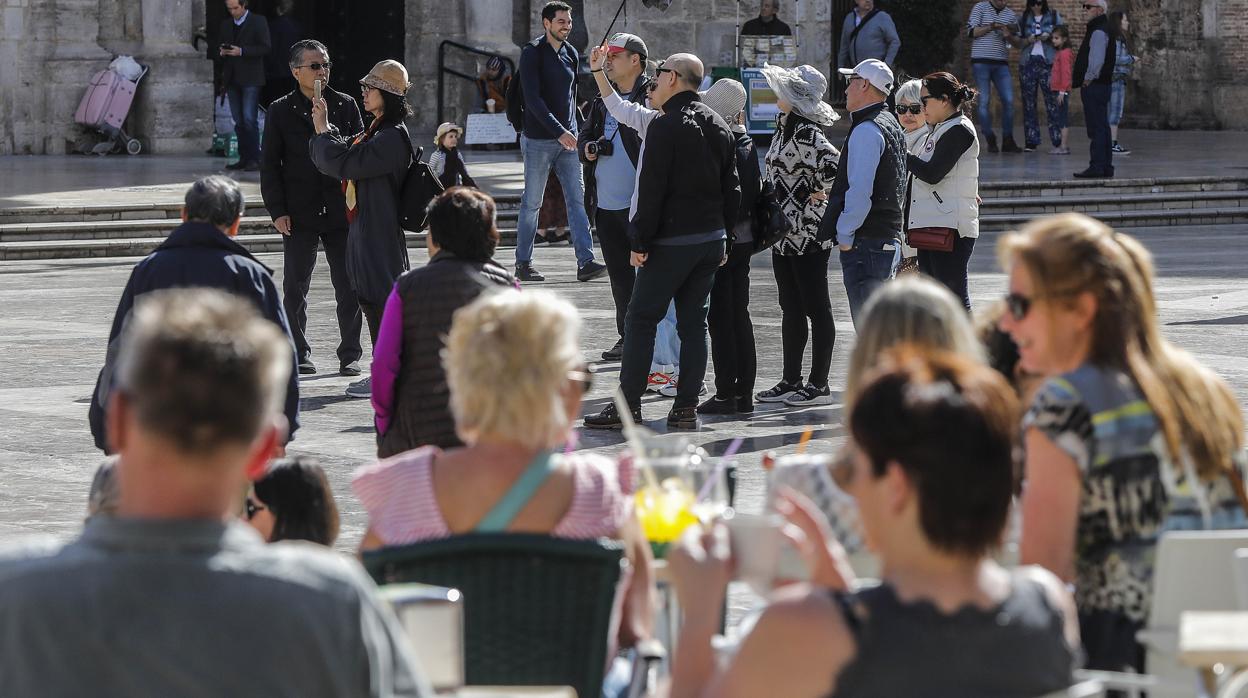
[770, 223]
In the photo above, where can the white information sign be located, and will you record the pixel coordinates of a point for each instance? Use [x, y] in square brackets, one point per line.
[488, 128]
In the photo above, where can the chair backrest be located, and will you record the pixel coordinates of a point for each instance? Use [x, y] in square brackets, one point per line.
[1193, 572]
[538, 610]
[1240, 566]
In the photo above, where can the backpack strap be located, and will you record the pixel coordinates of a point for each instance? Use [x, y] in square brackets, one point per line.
[861, 25]
[499, 518]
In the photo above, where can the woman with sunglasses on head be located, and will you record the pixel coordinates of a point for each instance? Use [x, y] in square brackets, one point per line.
[369, 164]
[292, 501]
[517, 378]
[942, 209]
[909, 112]
[1128, 436]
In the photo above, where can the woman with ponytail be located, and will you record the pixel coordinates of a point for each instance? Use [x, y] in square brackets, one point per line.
[1128, 437]
[942, 210]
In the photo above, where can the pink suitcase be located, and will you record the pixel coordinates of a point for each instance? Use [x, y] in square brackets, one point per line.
[107, 101]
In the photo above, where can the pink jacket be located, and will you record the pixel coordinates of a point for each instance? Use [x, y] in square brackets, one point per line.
[1063, 67]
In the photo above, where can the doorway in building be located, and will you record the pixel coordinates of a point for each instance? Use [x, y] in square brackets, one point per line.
[358, 34]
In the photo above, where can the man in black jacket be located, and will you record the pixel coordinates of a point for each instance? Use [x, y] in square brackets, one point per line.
[244, 44]
[307, 206]
[687, 203]
[612, 150]
[199, 253]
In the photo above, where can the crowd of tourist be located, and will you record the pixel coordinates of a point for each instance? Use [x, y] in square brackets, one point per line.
[1065, 406]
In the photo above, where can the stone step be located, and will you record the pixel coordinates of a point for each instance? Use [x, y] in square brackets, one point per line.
[1179, 218]
[1114, 187]
[1093, 204]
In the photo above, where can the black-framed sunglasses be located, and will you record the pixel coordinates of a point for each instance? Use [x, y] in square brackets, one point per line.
[660, 70]
[1018, 305]
[584, 377]
[316, 66]
[250, 508]
[1086, 6]
[915, 109]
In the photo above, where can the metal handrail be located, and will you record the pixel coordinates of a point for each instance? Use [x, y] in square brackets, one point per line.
[443, 70]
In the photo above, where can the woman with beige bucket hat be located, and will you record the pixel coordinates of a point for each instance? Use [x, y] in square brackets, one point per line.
[371, 166]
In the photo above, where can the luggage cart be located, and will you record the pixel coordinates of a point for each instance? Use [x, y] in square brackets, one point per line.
[105, 107]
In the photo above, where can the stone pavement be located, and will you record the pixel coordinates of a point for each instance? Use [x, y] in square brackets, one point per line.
[83, 180]
[57, 316]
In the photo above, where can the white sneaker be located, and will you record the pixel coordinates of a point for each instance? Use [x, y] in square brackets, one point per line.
[659, 380]
[810, 395]
[361, 388]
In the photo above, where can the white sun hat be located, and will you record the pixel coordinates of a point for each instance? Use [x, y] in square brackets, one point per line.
[803, 87]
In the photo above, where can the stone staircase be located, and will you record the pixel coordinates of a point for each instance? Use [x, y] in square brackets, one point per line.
[127, 231]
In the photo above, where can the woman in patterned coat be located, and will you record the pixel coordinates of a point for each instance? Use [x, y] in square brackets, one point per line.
[801, 165]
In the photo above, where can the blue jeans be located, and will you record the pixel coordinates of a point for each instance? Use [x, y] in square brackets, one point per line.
[986, 76]
[1117, 100]
[666, 343]
[245, 108]
[865, 267]
[1096, 116]
[540, 156]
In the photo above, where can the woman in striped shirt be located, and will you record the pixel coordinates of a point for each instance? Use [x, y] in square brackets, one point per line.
[516, 377]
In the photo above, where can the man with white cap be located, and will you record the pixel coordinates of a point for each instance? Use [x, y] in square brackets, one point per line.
[611, 151]
[864, 213]
[1094, 71]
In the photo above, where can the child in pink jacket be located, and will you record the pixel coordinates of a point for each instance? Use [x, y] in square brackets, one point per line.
[1060, 83]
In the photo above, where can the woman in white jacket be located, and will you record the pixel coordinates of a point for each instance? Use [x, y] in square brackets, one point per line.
[944, 182]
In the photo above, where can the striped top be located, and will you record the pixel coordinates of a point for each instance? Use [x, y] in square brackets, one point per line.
[991, 47]
[402, 507]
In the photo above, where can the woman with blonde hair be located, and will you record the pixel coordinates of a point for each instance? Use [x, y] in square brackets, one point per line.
[512, 476]
[915, 311]
[1127, 428]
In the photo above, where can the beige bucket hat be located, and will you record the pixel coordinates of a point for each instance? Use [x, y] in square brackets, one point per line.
[388, 76]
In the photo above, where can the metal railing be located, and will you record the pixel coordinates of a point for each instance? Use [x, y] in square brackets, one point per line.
[443, 70]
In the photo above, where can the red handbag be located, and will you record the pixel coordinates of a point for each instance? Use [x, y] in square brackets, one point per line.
[932, 239]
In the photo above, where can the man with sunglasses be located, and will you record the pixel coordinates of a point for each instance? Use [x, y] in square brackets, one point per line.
[1094, 73]
[308, 208]
[687, 200]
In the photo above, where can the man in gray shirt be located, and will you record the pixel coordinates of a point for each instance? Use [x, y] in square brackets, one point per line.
[868, 32]
[172, 595]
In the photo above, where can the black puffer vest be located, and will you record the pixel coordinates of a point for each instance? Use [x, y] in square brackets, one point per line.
[889, 189]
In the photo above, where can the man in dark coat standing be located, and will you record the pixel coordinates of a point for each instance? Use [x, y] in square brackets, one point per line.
[244, 44]
[199, 253]
[1094, 72]
[307, 207]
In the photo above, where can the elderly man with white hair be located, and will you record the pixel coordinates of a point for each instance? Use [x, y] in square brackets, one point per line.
[1094, 73]
[865, 207]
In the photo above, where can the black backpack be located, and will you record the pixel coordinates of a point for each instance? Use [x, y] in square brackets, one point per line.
[419, 187]
[515, 103]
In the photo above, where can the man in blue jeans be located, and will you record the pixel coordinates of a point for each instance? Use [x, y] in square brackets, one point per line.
[865, 202]
[548, 80]
[991, 28]
[244, 37]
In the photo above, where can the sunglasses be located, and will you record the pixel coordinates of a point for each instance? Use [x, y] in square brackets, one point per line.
[915, 109]
[250, 508]
[584, 377]
[316, 66]
[660, 70]
[1018, 305]
[1086, 6]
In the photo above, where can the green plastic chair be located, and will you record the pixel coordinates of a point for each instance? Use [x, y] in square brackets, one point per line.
[537, 609]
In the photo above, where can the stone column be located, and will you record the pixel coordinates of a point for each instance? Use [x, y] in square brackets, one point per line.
[490, 24]
[65, 33]
[173, 113]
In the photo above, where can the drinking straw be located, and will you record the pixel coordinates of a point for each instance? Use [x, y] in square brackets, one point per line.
[801, 445]
[720, 467]
[634, 439]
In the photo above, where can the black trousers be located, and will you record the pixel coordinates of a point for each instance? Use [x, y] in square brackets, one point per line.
[298, 262]
[372, 314]
[802, 284]
[732, 331]
[950, 268]
[613, 241]
[680, 273]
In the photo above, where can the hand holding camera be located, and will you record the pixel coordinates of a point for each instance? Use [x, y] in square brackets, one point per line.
[599, 148]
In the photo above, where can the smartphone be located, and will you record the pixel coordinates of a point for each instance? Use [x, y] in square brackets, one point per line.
[316, 89]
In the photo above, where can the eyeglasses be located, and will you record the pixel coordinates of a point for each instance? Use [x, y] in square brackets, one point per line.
[316, 66]
[660, 70]
[1086, 6]
[585, 377]
[915, 109]
[250, 508]
[1018, 305]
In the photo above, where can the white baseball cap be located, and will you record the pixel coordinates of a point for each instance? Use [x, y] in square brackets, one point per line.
[873, 71]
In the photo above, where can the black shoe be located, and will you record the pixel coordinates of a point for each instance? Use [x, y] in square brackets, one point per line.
[682, 418]
[616, 352]
[1092, 174]
[779, 393]
[591, 270]
[251, 166]
[992, 144]
[1029, 148]
[306, 367]
[526, 272]
[349, 369]
[718, 405]
[745, 404]
[1009, 146]
[609, 418]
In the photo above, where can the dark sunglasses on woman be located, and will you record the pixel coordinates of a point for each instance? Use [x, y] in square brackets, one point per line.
[915, 109]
